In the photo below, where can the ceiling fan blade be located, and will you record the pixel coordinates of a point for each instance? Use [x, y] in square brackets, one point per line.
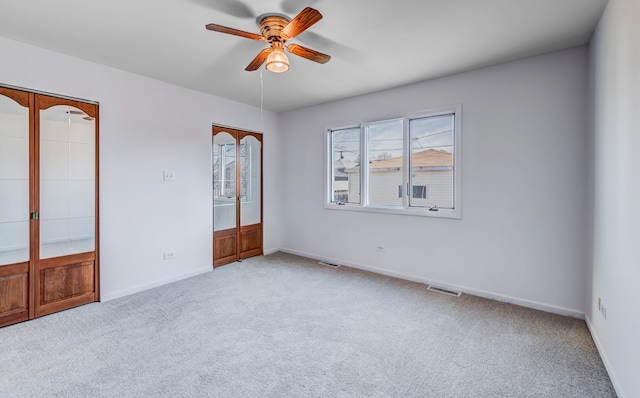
[231, 31]
[259, 59]
[234, 8]
[308, 53]
[334, 47]
[301, 22]
[291, 6]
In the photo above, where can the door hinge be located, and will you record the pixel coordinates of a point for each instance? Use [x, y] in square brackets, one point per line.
[34, 215]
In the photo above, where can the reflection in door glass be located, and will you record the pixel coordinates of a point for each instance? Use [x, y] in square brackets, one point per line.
[14, 182]
[250, 174]
[224, 182]
[67, 182]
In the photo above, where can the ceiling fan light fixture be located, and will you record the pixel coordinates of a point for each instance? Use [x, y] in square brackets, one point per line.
[277, 61]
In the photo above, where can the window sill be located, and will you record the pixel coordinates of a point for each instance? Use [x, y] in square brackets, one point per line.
[420, 212]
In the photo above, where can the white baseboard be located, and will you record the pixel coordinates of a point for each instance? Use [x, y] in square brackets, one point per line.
[160, 282]
[151, 285]
[465, 289]
[607, 364]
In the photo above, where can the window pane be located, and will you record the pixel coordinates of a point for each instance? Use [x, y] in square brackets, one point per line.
[432, 168]
[345, 170]
[385, 141]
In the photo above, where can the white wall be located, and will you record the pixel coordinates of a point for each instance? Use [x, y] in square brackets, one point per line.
[615, 83]
[524, 183]
[147, 126]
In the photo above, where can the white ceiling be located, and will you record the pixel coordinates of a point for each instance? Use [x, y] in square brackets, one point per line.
[374, 44]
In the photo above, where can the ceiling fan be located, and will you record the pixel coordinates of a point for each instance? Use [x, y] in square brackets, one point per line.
[277, 30]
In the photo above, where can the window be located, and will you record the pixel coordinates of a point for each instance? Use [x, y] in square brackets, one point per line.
[345, 155]
[408, 165]
[385, 166]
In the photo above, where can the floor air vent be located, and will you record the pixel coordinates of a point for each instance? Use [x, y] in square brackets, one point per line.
[328, 264]
[444, 291]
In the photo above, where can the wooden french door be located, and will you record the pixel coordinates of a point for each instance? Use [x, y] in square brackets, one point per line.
[48, 204]
[237, 195]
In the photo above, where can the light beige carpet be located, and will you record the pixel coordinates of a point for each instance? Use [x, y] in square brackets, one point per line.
[284, 326]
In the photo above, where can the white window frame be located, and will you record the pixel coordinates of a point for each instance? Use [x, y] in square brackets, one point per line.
[404, 209]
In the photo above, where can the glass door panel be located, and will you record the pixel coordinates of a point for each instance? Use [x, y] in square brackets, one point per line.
[250, 176]
[14, 182]
[67, 181]
[224, 182]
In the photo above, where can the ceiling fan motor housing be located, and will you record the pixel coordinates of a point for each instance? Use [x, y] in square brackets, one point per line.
[271, 26]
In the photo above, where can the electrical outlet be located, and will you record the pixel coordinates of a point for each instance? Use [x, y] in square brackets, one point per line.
[380, 248]
[168, 175]
[602, 308]
[169, 255]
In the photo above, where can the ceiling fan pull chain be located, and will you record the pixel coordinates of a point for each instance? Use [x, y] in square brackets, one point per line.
[261, 96]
